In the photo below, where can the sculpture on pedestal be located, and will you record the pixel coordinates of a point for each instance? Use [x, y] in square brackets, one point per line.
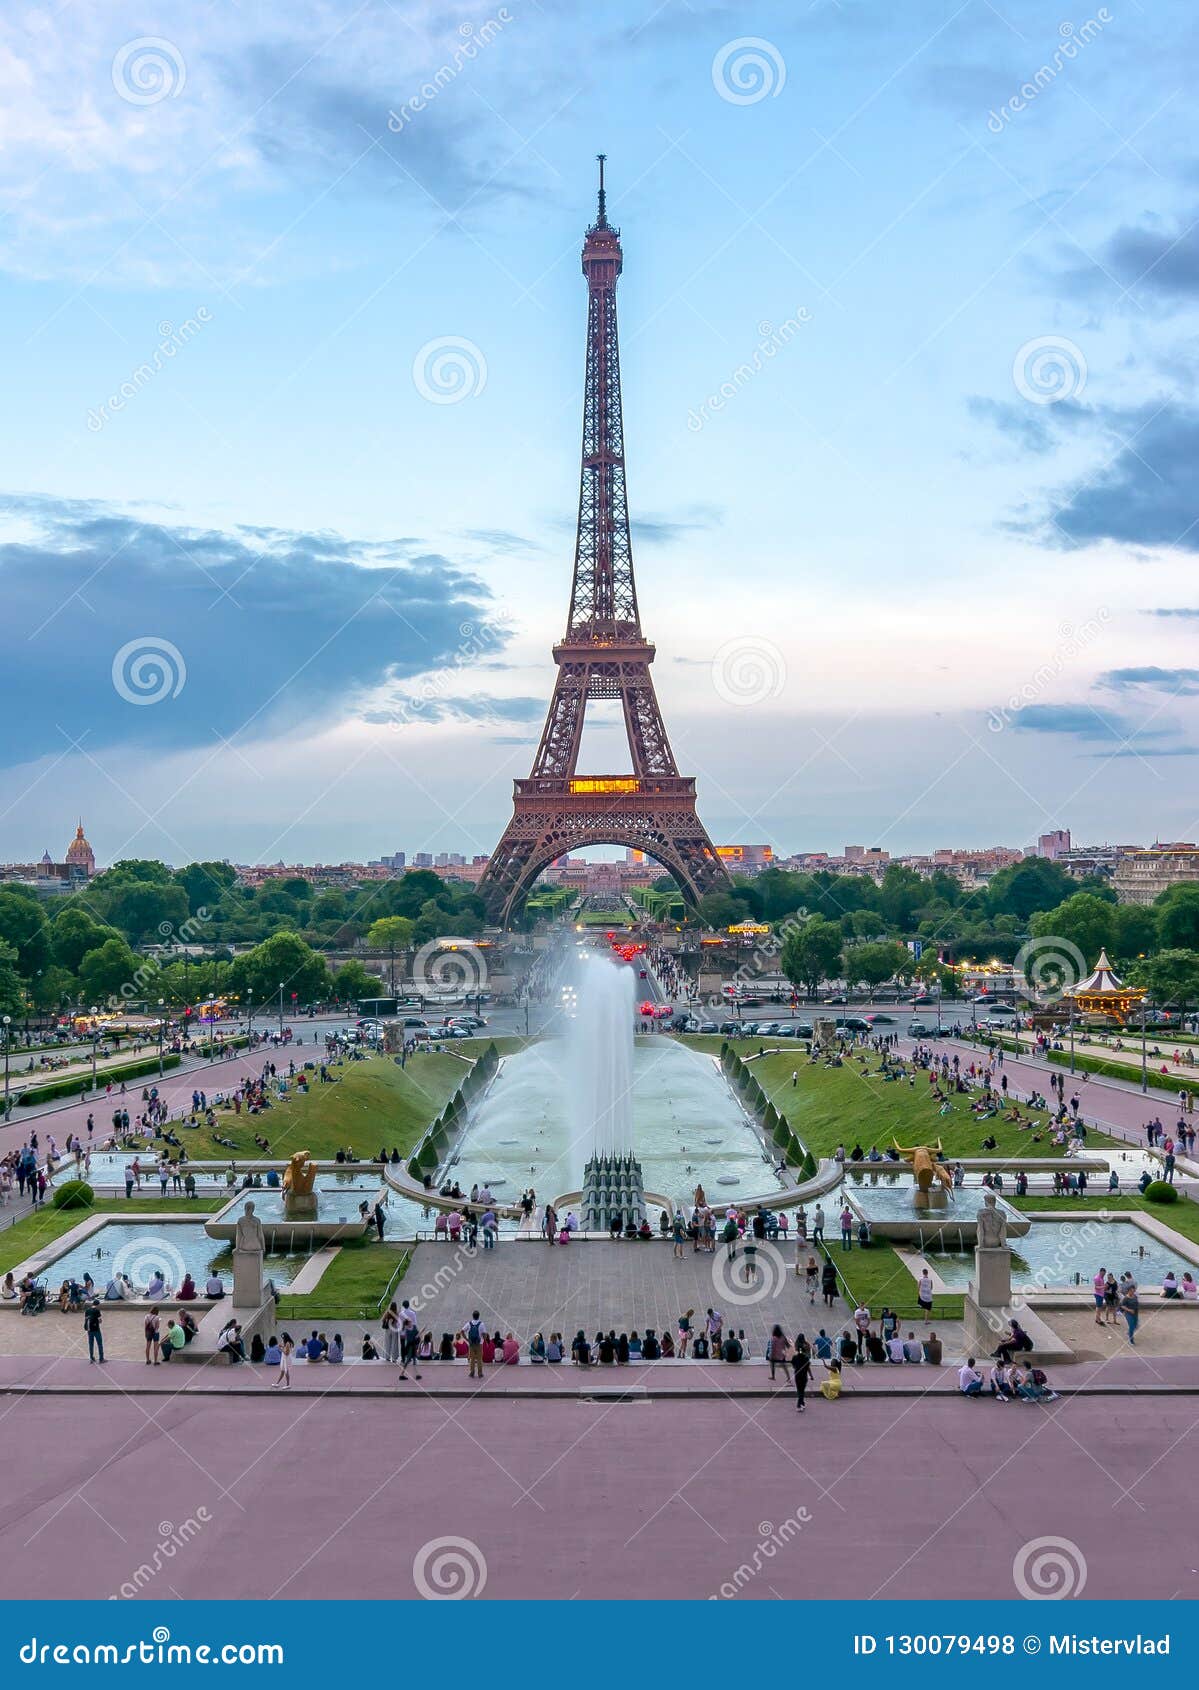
[992, 1225]
[249, 1248]
[933, 1180]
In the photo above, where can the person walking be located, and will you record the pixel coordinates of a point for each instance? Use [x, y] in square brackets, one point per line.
[828, 1282]
[391, 1334]
[91, 1325]
[818, 1224]
[801, 1364]
[1130, 1308]
[286, 1348]
[409, 1339]
[778, 1352]
[924, 1294]
[152, 1334]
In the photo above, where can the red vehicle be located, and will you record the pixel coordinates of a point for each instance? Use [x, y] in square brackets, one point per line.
[647, 1008]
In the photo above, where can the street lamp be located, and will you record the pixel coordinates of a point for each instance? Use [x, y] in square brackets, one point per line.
[7, 1026]
[1144, 1053]
[95, 1041]
[280, 1009]
[161, 1029]
[250, 1013]
[1072, 1035]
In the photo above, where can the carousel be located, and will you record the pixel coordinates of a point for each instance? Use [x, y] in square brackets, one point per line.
[1104, 993]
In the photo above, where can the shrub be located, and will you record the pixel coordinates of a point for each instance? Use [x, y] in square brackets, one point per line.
[1160, 1191]
[808, 1166]
[74, 1194]
[73, 1088]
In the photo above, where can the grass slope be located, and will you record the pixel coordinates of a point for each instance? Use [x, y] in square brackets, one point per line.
[851, 1105]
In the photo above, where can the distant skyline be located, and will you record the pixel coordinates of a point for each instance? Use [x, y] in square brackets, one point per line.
[293, 320]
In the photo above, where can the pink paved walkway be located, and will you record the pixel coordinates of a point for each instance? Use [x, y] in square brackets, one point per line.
[300, 1498]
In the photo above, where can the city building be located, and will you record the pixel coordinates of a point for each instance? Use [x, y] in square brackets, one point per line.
[49, 877]
[1055, 844]
[1141, 876]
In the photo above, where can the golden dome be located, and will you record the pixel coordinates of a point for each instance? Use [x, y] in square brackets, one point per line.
[79, 851]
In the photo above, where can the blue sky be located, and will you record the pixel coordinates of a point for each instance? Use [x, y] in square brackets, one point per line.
[292, 321]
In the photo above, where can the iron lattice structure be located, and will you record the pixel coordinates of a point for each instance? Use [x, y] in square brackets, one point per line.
[604, 655]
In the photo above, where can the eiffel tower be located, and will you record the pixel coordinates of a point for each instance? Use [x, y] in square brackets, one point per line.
[604, 655]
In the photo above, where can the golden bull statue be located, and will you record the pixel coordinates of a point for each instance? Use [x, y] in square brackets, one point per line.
[299, 1176]
[927, 1170]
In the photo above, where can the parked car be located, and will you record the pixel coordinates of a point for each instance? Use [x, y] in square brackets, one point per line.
[917, 1030]
[803, 1029]
[710, 1027]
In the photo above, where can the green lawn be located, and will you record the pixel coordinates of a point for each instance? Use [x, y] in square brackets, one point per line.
[350, 1287]
[40, 1228]
[878, 1278]
[852, 1105]
[369, 1104]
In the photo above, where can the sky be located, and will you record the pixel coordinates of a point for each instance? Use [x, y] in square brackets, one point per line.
[292, 321]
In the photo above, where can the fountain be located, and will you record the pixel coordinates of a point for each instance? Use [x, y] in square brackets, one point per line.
[902, 1211]
[601, 1072]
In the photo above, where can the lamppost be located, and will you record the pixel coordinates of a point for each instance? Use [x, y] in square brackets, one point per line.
[280, 1009]
[250, 1014]
[1144, 1053]
[161, 1030]
[7, 1027]
[95, 1042]
[1072, 1035]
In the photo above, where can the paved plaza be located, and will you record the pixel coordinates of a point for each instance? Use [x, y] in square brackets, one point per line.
[526, 1286]
[297, 1499]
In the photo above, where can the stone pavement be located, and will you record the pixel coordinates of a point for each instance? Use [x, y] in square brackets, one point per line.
[526, 1286]
[294, 1499]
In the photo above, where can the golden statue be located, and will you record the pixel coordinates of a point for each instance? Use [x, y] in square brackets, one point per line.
[299, 1176]
[927, 1170]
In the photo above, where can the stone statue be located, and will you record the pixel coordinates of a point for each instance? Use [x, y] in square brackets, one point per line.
[299, 1176]
[992, 1225]
[249, 1234]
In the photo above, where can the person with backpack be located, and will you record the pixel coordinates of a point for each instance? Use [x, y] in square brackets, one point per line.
[95, 1338]
[474, 1346]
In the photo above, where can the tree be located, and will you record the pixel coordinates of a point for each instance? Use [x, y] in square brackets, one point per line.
[1172, 978]
[147, 910]
[353, 981]
[206, 885]
[1086, 922]
[1023, 888]
[901, 894]
[12, 995]
[283, 958]
[23, 925]
[73, 934]
[718, 910]
[871, 964]
[1136, 930]
[812, 953]
[109, 971]
[1177, 913]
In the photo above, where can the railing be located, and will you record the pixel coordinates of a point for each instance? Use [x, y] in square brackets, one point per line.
[400, 1271]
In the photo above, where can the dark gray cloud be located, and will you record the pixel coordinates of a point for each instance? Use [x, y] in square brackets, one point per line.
[1151, 257]
[664, 531]
[1034, 428]
[270, 629]
[1146, 493]
[1182, 683]
[1178, 610]
[1085, 721]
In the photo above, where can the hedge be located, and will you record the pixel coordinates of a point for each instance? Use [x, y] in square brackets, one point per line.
[1160, 1191]
[74, 1194]
[74, 1087]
